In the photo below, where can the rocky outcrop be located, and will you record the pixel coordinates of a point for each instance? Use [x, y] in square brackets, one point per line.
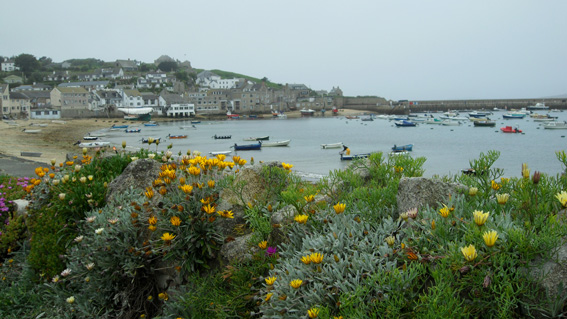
[138, 175]
[417, 192]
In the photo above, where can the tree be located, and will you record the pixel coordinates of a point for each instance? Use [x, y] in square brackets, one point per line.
[27, 63]
[265, 79]
[182, 76]
[168, 66]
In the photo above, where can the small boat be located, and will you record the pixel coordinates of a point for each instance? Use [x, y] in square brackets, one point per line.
[31, 131]
[118, 126]
[367, 118]
[188, 127]
[332, 145]
[404, 123]
[307, 112]
[538, 106]
[350, 117]
[222, 137]
[484, 123]
[247, 147]
[278, 143]
[509, 129]
[151, 124]
[220, 153]
[195, 122]
[513, 115]
[133, 130]
[555, 125]
[396, 153]
[450, 123]
[432, 120]
[407, 147]
[146, 140]
[478, 114]
[176, 136]
[90, 138]
[355, 156]
[262, 138]
[93, 144]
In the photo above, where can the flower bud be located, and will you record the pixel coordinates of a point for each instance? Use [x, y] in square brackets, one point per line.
[536, 177]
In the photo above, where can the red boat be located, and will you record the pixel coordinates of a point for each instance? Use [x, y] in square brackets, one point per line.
[509, 129]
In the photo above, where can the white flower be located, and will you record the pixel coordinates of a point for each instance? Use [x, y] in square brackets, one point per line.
[91, 219]
[113, 221]
[71, 299]
[99, 231]
[66, 272]
[55, 279]
[77, 168]
[78, 239]
[151, 155]
[133, 158]
[89, 266]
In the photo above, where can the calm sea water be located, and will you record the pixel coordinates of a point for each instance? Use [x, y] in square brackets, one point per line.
[448, 149]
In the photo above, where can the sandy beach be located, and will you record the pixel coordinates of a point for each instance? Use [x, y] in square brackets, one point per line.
[56, 138]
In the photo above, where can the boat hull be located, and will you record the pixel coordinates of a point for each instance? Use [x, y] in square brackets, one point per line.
[276, 144]
[332, 145]
[247, 147]
[400, 148]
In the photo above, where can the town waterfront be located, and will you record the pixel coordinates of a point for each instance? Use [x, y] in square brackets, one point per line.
[448, 149]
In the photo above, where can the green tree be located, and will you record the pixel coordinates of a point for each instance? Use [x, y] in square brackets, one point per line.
[182, 76]
[168, 66]
[27, 63]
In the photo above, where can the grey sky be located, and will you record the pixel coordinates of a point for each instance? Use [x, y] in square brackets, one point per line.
[397, 49]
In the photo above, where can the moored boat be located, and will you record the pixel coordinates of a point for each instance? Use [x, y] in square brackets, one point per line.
[276, 143]
[307, 112]
[353, 157]
[407, 147]
[220, 153]
[90, 138]
[555, 125]
[538, 106]
[132, 130]
[261, 138]
[332, 145]
[92, 144]
[510, 129]
[222, 137]
[118, 126]
[31, 131]
[404, 123]
[484, 123]
[176, 136]
[247, 147]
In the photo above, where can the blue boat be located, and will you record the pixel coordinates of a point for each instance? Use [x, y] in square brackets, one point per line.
[401, 148]
[355, 156]
[247, 147]
[133, 130]
[151, 124]
[404, 123]
[119, 126]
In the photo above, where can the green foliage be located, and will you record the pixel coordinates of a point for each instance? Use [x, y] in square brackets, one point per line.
[232, 75]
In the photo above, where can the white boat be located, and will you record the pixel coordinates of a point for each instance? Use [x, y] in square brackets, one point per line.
[220, 153]
[137, 113]
[94, 144]
[307, 112]
[538, 106]
[332, 145]
[433, 120]
[276, 143]
[261, 138]
[396, 153]
[450, 123]
[31, 131]
[90, 138]
[555, 125]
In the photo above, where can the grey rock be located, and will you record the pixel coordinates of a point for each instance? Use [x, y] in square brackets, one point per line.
[21, 206]
[417, 192]
[238, 249]
[137, 175]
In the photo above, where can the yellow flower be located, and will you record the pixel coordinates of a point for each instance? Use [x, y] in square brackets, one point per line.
[268, 296]
[525, 171]
[226, 213]
[490, 238]
[502, 198]
[473, 191]
[398, 169]
[263, 244]
[287, 167]
[390, 240]
[187, 189]
[433, 224]
[152, 220]
[316, 258]
[152, 228]
[149, 192]
[504, 180]
[175, 221]
[163, 296]
[495, 186]
[270, 280]
[309, 198]
[302, 219]
[306, 259]
[70, 299]
[167, 237]
[480, 217]
[562, 197]
[211, 183]
[404, 216]
[444, 211]
[62, 196]
[339, 208]
[313, 312]
[296, 283]
[209, 209]
[469, 252]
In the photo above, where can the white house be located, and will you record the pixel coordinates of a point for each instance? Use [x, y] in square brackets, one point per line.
[8, 66]
[181, 110]
[224, 83]
[132, 98]
[206, 77]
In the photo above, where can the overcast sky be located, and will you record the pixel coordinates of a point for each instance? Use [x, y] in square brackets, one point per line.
[396, 49]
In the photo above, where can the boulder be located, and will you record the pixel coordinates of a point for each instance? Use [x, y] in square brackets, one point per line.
[21, 206]
[252, 185]
[239, 249]
[139, 174]
[417, 192]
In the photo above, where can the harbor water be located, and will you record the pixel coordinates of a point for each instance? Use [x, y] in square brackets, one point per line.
[448, 149]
